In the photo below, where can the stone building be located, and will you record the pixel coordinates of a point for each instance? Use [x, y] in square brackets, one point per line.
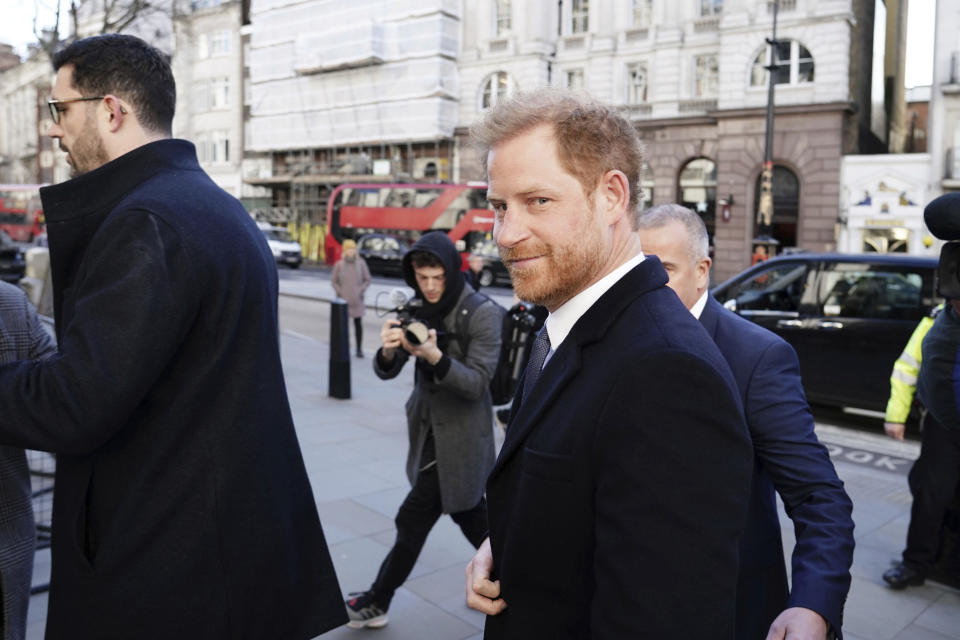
[208, 67]
[944, 140]
[27, 155]
[692, 75]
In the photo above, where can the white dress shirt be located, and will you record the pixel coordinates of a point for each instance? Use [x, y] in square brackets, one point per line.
[560, 322]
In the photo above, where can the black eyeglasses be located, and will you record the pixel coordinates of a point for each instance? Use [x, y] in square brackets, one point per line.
[54, 105]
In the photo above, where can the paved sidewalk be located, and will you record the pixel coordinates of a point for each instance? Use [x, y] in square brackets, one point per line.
[355, 451]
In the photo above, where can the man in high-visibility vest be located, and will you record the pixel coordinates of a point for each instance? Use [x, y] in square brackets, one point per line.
[903, 380]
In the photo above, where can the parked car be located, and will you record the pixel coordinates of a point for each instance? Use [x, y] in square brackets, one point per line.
[494, 271]
[285, 249]
[847, 316]
[383, 253]
[12, 263]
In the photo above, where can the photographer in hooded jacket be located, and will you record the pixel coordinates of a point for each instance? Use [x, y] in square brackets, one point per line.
[449, 413]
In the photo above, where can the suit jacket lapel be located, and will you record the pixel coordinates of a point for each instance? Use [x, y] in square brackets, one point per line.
[565, 363]
[710, 318]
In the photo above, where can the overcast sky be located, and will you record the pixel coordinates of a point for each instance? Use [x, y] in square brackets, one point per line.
[16, 28]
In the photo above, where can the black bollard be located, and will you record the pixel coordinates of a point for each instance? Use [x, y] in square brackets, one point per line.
[339, 351]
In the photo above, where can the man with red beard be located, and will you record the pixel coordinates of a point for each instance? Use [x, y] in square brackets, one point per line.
[619, 495]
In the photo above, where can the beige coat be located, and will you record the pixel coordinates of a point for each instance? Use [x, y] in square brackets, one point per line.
[350, 281]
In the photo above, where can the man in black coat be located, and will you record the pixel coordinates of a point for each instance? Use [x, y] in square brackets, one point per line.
[621, 489]
[182, 507]
[787, 455]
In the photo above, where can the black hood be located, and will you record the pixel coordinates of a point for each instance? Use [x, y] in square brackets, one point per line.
[440, 245]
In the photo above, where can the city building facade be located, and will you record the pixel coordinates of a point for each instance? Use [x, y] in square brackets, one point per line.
[208, 67]
[27, 155]
[358, 92]
[693, 75]
[944, 141]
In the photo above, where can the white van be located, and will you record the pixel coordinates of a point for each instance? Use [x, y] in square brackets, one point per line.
[285, 249]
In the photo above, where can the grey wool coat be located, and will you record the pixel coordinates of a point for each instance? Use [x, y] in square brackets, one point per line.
[22, 337]
[457, 408]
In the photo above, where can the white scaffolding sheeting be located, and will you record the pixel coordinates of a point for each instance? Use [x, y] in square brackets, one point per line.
[322, 74]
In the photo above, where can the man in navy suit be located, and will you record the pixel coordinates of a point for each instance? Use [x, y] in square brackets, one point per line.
[788, 456]
[620, 493]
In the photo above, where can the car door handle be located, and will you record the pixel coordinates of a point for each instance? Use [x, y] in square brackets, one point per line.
[789, 324]
[829, 324]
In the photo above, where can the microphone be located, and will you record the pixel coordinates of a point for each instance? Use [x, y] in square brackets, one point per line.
[398, 297]
[942, 216]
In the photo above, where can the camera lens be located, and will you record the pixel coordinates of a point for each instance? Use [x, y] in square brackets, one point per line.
[416, 333]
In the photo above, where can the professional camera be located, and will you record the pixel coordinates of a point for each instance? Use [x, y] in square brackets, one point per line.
[415, 331]
[942, 217]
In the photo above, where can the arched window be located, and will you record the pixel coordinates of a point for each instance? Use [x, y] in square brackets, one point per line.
[698, 190]
[792, 64]
[495, 88]
[786, 205]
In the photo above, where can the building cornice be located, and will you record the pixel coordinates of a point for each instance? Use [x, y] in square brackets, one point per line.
[786, 109]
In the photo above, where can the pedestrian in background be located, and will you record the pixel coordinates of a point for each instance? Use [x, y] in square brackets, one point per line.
[903, 378]
[934, 476]
[183, 507]
[474, 269]
[350, 279]
[22, 337]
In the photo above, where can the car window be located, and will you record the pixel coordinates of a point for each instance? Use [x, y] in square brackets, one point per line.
[778, 287]
[5, 241]
[871, 291]
[280, 235]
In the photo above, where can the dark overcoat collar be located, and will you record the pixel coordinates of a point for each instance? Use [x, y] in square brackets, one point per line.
[102, 188]
[565, 362]
[75, 209]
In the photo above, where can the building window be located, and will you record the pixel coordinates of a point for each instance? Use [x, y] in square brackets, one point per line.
[219, 93]
[706, 76]
[711, 8]
[495, 88]
[642, 13]
[579, 16]
[792, 64]
[214, 44]
[503, 18]
[636, 83]
[698, 191]
[573, 78]
[213, 147]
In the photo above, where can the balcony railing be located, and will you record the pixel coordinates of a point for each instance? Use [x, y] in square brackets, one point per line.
[700, 105]
[703, 25]
[639, 110]
[785, 5]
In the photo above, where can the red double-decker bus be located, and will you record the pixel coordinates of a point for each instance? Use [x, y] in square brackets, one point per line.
[407, 211]
[21, 215]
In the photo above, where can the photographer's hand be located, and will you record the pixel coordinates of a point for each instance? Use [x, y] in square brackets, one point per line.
[391, 337]
[428, 349]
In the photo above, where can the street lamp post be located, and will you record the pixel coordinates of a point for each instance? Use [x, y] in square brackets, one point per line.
[764, 235]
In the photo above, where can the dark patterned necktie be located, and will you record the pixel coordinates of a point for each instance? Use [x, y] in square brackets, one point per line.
[541, 347]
